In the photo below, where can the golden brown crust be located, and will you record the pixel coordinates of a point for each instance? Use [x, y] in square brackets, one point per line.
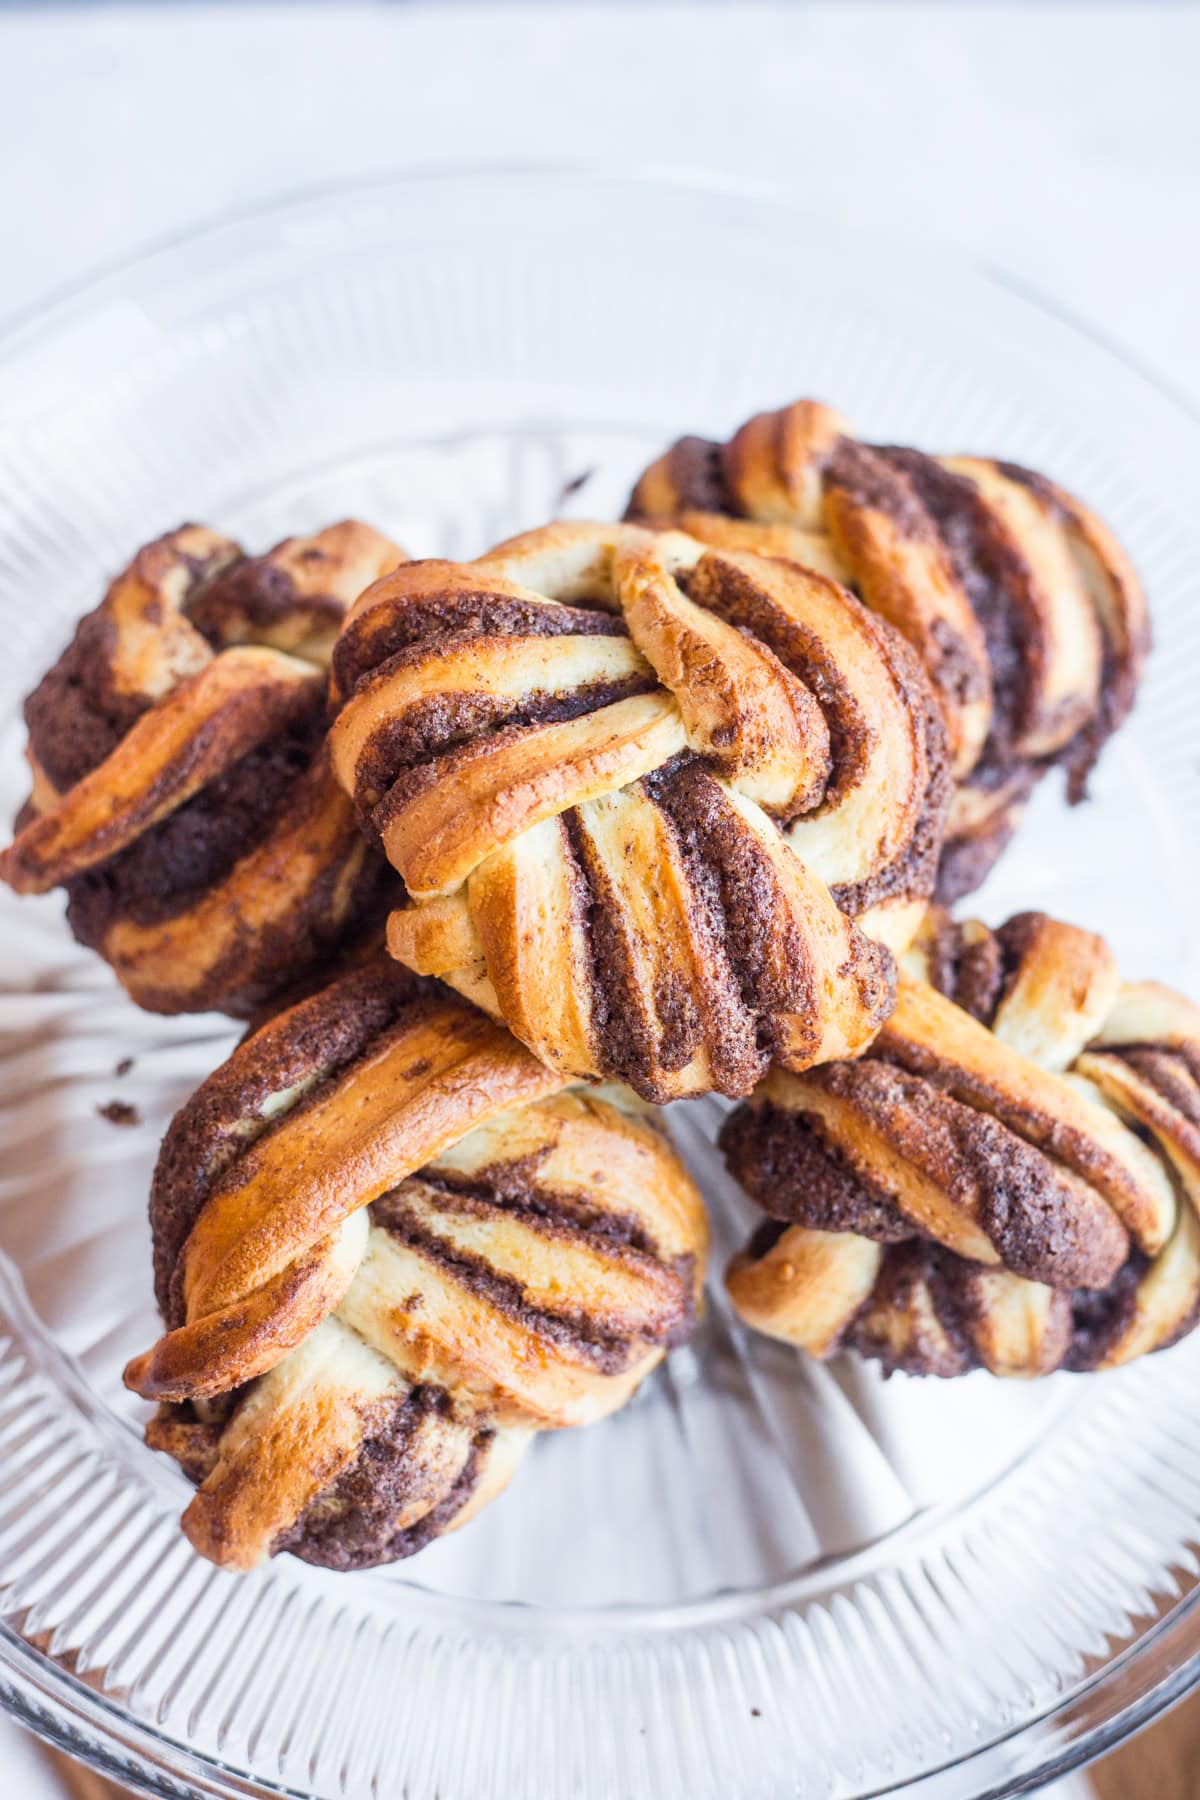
[1023, 609]
[182, 792]
[648, 799]
[903, 571]
[972, 1193]
[390, 1245]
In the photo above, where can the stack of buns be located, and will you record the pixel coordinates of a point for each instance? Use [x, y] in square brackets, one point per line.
[500, 856]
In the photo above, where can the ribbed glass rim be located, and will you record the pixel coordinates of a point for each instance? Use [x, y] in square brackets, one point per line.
[44, 314]
[1150, 1674]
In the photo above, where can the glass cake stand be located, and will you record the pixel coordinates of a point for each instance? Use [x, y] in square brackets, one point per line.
[765, 1577]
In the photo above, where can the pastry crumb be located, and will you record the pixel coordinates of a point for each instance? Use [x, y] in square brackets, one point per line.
[120, 1112]
[573, 486]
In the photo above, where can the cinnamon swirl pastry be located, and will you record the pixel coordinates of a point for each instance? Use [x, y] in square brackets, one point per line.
[658, 807]
[1008, 1180]
[181, 784]
[1022, 607]
[390, 1246]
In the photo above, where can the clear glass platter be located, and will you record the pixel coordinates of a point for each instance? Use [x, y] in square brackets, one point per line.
[765, 1578]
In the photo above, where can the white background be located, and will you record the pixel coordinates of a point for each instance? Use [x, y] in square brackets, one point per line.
[1058, 143]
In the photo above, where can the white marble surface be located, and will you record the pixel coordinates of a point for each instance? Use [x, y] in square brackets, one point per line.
[1060, 143]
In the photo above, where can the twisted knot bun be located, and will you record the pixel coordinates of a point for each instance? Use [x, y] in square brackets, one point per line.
[652, 802]
[1008, 1180]
[1023, 609]
[390, 1245]
[181, 786]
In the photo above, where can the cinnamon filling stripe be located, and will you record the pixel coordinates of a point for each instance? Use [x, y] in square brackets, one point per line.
[998, 583]
[929, 1036]
[206, 725]
[430, 611]
[413, 1476]
[963, 1178]
[420, 1086]
[197, 845]
[467, 688]
[487, 793]
[465, 1326]
[268, 1075]
[544, 1156]
[547, 1275]
[645, 983]
[515, 1190]
[253, 927]
[297, 1429]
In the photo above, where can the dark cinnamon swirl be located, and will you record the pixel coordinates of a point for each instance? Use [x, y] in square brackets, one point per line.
[181, 784]
[1008, 1180]
[390, 1246]
[1022, 607]
[658, 807]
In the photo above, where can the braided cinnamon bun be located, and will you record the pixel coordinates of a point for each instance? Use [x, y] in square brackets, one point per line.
[181, 785]
[1022, 607]
[389, 1246]
[1008, 1180]
[653, 803]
